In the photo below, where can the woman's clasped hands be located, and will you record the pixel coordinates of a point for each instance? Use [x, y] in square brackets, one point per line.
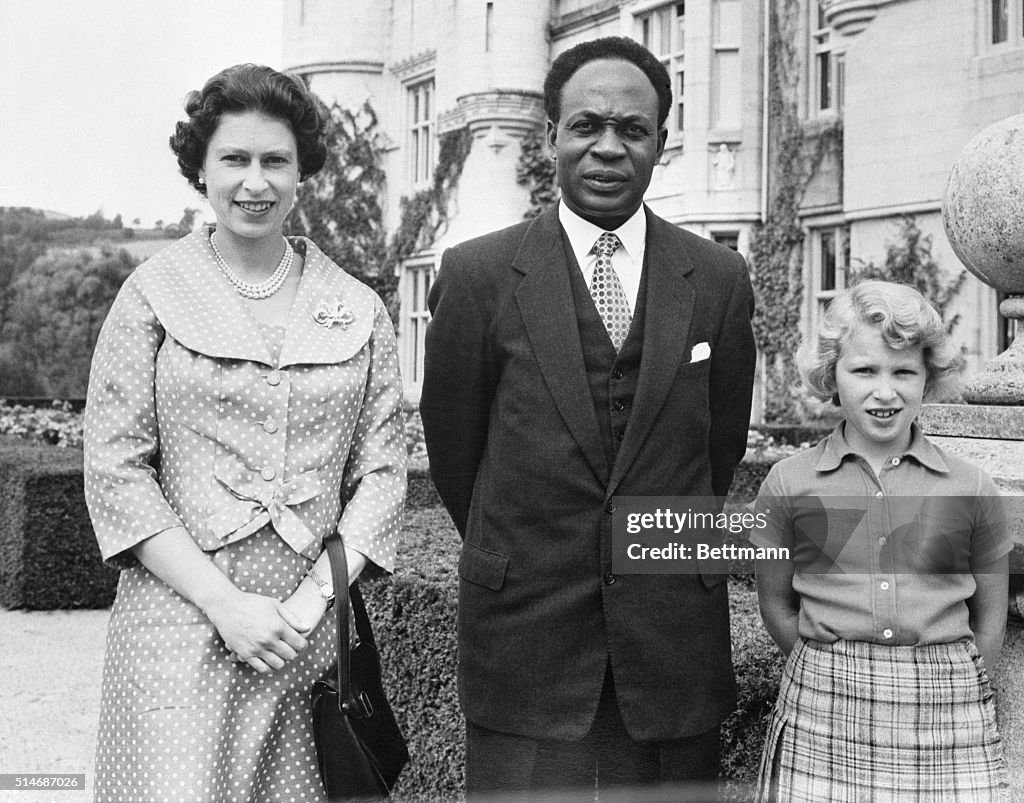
[263, 632]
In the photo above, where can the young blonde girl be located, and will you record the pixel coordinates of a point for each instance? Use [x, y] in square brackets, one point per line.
[894, 600]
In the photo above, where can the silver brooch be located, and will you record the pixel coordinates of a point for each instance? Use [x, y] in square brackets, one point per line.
[327, 314]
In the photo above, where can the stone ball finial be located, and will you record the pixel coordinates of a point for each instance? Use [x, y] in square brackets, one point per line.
[983, 208]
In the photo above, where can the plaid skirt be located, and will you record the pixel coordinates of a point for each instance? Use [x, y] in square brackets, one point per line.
[857, 722]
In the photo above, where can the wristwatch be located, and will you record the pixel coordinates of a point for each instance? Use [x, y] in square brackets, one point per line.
[323, 586]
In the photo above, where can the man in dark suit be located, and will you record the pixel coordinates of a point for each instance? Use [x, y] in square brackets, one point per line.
[595, 351]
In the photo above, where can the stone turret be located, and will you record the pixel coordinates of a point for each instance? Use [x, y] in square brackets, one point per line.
[339, 45]
[491, 83]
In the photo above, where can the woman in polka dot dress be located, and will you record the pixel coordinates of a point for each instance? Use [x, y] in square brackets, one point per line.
[244, 403]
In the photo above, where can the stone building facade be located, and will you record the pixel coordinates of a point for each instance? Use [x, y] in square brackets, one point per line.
[909, 82]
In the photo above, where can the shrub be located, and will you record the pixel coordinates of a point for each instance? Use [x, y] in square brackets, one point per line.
[48, 554]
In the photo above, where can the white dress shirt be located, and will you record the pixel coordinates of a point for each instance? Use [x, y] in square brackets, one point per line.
[627, 261]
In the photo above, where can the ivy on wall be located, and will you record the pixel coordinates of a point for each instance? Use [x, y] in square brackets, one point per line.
[776, 246]
[535, 170]
[339, 208]
[425, 213]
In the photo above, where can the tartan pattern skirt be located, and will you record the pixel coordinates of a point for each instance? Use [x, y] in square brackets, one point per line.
[856, 722]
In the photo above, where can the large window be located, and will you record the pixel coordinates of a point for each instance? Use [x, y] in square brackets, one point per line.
[417, 278]
[663, 32]
[829, 268]
[829, 66]
[726, 100]
[421, 131]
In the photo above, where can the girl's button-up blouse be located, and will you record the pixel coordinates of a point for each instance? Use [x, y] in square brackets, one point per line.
[885, 558]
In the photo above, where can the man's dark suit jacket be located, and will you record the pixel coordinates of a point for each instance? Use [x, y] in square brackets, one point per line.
[517, 457]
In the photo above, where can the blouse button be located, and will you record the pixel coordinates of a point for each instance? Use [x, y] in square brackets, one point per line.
[895, 461]
[274, 378]
[270, 426]
[887, 633]
[268, 474]
[884, 585]
[882, 539]
[879, 494]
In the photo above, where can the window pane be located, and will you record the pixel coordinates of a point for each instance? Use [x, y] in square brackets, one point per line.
[840, 66]
[680, 26]
[665, 30]
[1000, 21]
[824, 80]
[828, 260]
[727, 238]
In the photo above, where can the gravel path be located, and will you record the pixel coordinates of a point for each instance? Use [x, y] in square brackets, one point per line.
[50, 665]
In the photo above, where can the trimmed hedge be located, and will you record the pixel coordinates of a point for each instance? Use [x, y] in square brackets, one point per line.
[48, 553]
[49, 559]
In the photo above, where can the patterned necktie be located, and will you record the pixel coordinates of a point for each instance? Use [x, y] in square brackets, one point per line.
[606, 289]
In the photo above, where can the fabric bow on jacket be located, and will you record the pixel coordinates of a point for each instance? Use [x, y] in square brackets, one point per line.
[258, 503]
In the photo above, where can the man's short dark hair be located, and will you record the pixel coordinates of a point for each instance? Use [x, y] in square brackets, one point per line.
[608, 47]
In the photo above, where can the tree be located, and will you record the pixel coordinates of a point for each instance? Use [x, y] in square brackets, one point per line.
[188, 220]
[909, 260]
[56, 310]
[339, 208]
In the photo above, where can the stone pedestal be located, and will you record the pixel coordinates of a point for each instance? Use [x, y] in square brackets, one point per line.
[992, 436]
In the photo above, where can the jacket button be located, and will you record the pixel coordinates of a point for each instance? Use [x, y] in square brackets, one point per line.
[268, 474]
[274, 378]
[609, 508]
[619, 406]
[616, 374]
[609, 579]
[270, 426]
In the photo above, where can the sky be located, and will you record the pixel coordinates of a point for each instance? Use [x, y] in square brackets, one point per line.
[90, 91]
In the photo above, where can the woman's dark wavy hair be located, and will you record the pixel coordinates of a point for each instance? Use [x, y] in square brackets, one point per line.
[250, 88]
[608, 47]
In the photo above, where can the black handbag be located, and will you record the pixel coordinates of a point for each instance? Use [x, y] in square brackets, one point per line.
[359, 747]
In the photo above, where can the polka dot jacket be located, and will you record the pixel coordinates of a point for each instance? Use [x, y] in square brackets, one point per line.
[259, 443]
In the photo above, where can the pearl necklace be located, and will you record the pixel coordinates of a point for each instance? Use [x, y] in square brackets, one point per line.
[264, 289]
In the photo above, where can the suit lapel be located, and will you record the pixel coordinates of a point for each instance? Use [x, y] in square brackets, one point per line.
[668, 315]
[544, 298]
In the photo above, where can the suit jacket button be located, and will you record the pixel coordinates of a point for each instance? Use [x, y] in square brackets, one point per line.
[619, 406]
[609, 508]
[616, 374]
[609, 579]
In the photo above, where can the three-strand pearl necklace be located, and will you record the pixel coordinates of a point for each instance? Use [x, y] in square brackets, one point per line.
[264, 289]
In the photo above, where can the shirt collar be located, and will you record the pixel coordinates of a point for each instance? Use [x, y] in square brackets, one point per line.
[836, 448]
[583, 234]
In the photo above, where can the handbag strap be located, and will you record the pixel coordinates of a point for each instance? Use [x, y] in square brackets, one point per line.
[339, 574]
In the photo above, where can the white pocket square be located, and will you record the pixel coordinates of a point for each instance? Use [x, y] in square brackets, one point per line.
[700, 352]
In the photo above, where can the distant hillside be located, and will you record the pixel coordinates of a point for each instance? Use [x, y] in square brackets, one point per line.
[58, 276]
